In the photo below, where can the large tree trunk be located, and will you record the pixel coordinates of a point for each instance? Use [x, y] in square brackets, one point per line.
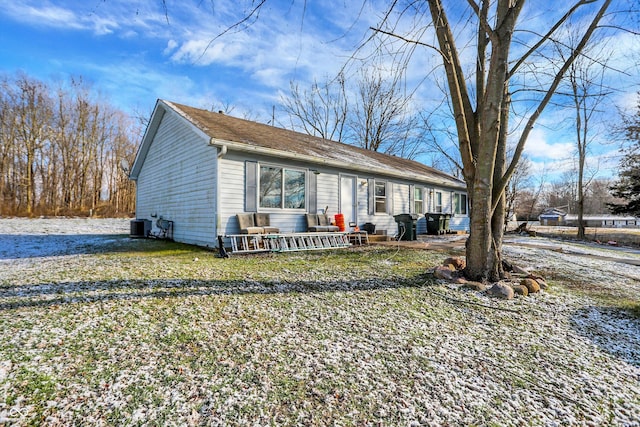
[483, 249]
[482, 130]
[479, 242]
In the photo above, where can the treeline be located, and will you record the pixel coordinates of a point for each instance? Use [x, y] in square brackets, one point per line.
[63, 151]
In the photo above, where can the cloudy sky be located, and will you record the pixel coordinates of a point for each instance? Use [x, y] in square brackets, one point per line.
[134, 52]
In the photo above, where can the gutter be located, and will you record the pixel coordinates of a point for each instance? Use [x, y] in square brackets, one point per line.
[245, 148]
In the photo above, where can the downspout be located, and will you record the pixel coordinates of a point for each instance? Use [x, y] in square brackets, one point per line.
[223, 150]
[221, 153]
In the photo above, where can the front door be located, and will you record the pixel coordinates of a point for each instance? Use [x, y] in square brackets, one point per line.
[348, 198]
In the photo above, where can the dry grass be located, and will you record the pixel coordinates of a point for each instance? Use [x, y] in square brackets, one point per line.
[623, 236]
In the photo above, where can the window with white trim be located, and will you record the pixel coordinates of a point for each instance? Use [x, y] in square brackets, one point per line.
[281, 188]
[459, 203]
[437, 202]
[381, 196]
[418, 202]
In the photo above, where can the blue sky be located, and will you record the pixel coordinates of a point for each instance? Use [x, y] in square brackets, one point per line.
[133, 52]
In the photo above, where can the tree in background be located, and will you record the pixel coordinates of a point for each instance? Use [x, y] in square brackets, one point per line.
[627, 187]
[520, 180]
[321, 111]
[374, 112]
[587, 92]
[60, 151]
[597, 197]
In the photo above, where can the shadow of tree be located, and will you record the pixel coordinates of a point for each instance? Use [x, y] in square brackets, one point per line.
[52, 294]
[615, 331]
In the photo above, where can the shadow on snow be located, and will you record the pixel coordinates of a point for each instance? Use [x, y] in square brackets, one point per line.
[612, 330]
[52, 294]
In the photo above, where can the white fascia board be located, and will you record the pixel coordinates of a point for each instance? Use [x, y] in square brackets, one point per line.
[150, 131]
[162, 107]
[246, 148]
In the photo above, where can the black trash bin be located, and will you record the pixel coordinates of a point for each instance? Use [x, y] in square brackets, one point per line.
[435, 223]
[406, 226]
[369, 227]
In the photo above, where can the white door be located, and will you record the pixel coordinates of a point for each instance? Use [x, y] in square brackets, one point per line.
[348, 198]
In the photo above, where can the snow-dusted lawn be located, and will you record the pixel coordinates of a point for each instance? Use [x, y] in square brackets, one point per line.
[100, 329]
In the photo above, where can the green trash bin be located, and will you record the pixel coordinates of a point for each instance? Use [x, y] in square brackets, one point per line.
[445, 225]
[435, 223]
[406, 226]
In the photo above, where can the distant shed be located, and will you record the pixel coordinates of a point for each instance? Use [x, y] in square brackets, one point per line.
[552, 216]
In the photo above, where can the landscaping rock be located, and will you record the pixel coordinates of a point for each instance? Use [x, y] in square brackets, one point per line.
[444, 272]
[457, 262]
[476, 286]
[519, 270]
[520, 290]
[501, 290]
[543, 283]
[531, 284]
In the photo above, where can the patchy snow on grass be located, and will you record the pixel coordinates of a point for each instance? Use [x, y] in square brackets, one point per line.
[105, 330]
[34, 238]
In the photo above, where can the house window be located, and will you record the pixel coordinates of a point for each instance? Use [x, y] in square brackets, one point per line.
[459, 204]
[418, 204]
[381, 197]
[282, 188]
[438, 202]
[294, 189]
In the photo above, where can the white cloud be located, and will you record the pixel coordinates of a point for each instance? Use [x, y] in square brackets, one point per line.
[123, 18]
[171, 46]
[539, 147]
[49, 15]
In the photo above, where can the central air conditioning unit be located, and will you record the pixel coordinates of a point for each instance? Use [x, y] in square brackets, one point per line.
[140, 228]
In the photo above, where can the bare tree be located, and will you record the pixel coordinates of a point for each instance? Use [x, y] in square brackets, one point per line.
[597, 197]
[482, 126]
[321, 111]
[528, 200]
[586, 90]
[59, 149]
[32, 114]
[375, 114]
[382, 119]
